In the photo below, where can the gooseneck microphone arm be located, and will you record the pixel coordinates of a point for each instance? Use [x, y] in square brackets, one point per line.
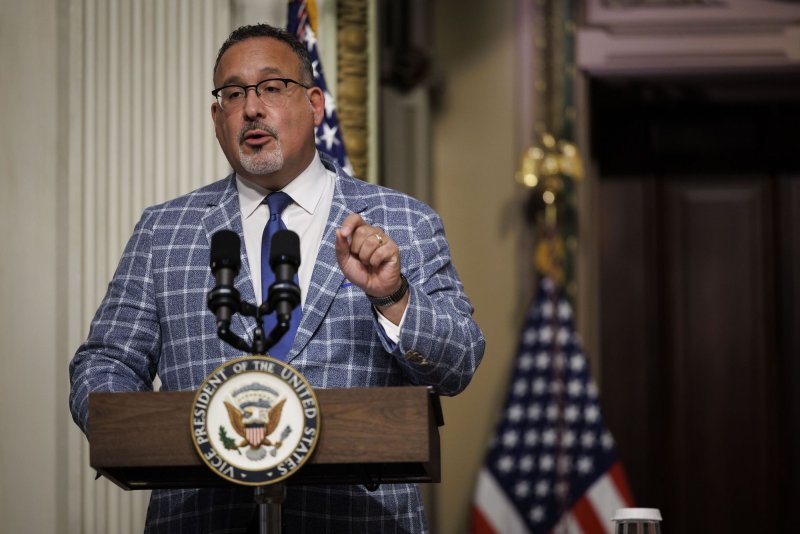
[224, 299]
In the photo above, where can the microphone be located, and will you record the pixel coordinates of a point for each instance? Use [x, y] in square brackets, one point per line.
[284, 258]
[225, 262]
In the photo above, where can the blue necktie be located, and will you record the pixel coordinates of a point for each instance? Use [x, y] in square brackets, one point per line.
[277, 202]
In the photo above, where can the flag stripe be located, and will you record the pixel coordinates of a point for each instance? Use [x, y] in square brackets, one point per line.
[587, 518]
[479, 523]
[496, 509]
[605, 497]
[621, 482]
[568, 525]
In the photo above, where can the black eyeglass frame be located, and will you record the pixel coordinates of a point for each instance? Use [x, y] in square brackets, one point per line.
[254, 87]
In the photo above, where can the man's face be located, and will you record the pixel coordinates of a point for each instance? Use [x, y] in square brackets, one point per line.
[268, 145]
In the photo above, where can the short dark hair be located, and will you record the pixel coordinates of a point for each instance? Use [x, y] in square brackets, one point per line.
[252, 31]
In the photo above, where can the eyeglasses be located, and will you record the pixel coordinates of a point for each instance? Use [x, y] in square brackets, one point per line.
[273, 92]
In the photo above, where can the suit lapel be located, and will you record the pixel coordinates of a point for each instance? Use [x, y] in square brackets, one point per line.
[227, 215]
[327, 277]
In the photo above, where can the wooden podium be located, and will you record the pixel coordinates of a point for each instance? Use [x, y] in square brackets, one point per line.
[367, 436]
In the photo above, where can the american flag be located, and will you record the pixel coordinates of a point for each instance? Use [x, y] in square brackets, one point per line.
[328, 135]
[551, 466]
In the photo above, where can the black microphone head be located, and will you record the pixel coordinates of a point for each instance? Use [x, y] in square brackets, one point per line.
[225, 250]
[285, 248]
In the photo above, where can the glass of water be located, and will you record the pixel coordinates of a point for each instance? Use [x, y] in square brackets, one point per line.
[637, 521]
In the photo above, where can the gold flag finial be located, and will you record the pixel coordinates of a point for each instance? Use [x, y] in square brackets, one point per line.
[550, 168]
[552, 159]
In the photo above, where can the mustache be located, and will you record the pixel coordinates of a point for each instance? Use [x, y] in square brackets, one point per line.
[256, 125]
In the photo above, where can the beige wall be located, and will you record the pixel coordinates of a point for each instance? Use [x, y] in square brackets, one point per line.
[475, 154]
[33, 414]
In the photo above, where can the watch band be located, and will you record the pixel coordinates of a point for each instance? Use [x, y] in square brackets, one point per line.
[394, 297]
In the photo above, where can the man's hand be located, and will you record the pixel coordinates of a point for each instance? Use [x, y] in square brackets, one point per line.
[370, 259]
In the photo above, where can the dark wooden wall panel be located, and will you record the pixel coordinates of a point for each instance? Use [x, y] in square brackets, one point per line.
[718, 328]
[787, 416]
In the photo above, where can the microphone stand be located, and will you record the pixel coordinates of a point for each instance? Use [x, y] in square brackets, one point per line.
[269, 498]
[278, 292]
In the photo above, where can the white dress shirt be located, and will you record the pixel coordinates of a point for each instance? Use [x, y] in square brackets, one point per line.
[312, 193]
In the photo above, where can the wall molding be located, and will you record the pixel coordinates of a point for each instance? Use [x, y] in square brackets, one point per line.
[730, 36]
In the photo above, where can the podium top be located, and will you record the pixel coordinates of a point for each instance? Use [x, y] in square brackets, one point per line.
[368, 436]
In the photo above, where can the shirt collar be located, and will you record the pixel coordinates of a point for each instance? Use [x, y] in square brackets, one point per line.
[304, 189]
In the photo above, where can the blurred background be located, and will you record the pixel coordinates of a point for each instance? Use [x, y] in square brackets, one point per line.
[676, 206]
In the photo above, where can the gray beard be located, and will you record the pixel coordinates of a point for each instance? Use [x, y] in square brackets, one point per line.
[264, 161]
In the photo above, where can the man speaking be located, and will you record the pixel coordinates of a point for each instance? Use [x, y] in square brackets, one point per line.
[381, 303]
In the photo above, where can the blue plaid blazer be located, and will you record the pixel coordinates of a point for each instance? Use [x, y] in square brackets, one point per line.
[154, 319]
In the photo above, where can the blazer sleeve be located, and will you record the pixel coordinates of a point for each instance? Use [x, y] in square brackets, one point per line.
[440, 344]
[122, 349]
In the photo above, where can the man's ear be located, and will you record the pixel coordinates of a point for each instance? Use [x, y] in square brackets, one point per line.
[317, 99]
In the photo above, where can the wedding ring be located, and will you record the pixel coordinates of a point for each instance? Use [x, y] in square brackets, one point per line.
[379, 238]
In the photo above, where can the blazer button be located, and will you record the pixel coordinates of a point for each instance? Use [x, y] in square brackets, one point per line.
[415, 357]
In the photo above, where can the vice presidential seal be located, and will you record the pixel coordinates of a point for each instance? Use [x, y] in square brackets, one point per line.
[255, 420]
